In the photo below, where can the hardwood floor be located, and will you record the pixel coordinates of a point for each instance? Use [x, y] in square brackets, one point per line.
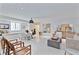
[40, 47]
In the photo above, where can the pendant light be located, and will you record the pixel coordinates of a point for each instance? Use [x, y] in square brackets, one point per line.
[31, 21]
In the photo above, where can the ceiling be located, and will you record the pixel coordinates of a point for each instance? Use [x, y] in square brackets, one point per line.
[39, 10]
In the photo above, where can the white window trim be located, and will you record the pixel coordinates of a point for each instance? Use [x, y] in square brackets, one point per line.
[15, 30]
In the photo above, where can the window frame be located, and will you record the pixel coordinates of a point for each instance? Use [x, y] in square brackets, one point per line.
[15, 26]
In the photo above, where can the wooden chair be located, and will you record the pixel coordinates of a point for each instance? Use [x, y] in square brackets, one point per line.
[17, 42]
[11, 50]
[3, 46]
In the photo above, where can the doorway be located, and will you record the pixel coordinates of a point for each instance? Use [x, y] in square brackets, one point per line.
[37, 27]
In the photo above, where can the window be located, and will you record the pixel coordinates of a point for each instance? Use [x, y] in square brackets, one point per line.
[15, 26]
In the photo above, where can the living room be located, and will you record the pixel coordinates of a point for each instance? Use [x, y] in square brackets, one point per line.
[57, 22]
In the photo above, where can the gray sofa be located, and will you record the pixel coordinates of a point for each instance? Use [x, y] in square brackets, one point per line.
[72, 47]
[54, 43]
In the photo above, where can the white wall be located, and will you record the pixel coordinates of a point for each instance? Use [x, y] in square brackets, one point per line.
[9, 20]
[13, 35]
[58, 21]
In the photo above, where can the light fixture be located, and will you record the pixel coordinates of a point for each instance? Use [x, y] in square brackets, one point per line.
[31, 21]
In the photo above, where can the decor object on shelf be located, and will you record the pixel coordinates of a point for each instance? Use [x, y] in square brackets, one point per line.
[1, 32]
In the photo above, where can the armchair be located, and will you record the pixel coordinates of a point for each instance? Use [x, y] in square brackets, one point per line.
[11, 50]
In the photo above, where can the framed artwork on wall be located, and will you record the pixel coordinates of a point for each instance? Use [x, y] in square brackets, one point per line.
[4, 26]
[46, 28]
